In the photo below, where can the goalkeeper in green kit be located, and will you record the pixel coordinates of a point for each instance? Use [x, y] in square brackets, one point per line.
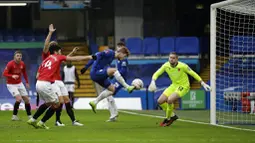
[178, 73]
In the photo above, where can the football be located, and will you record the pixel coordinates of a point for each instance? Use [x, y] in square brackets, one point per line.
[138, 83]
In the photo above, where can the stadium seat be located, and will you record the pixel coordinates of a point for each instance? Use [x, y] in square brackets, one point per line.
[135, 45]
[166, 45]
[187, 45]
[8, 38]
[242, 44]
[19, 38]
[150, 46]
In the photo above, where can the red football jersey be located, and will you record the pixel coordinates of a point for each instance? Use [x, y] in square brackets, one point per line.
[49, 67]
[57, 76]
[45, 55]
[14, 68]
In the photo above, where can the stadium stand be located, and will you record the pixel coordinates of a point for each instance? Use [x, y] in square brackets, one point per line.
[135, 45]
[166, 45]
[187, 45]
[150, 46]
[24, 35]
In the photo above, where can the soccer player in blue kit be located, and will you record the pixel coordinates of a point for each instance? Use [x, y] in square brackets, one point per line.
[122, 66]
[101, 70]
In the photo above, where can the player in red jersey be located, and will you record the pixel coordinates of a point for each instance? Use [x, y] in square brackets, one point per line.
[46, 52]
[44, 86]
[62, 92]
[13, 72]
[59, 86]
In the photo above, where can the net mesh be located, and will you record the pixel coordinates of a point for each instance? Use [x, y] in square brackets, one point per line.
[235, 63]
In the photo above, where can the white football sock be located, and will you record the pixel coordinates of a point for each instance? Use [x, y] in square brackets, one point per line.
[120, 79]
[103, 95]
[112, 107]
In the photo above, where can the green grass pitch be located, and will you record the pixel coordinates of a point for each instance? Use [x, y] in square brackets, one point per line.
[129, 129]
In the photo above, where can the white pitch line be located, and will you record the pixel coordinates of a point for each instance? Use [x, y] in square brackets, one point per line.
[100, 140]
[189, 121]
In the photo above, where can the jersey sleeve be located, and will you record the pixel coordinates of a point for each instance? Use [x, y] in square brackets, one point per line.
[61, 58]
[90, 62]
[159, 72]
[6, 72]
[189, 71]
[24, 72]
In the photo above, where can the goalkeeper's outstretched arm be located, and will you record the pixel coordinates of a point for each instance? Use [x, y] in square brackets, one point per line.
[197, 77]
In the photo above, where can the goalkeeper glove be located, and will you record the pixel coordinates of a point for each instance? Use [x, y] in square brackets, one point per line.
[94, 57]
[83, 70]
[206, 86]
[152, 86]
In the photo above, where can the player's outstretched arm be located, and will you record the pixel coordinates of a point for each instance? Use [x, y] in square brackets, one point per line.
[197, 77]
[159, 72]
[47, 40]
[85, 68]
[79, 58]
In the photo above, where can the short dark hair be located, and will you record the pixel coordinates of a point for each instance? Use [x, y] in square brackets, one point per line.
[17, 52]
[174, 53]
[54, 48]
[121, 44]
[125, 50]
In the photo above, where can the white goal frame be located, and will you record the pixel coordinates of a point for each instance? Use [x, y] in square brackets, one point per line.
[213, 56]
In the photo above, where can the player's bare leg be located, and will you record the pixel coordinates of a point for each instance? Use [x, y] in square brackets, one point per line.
[69, 111]
[27, 106]
[16, 108]
[114, 72]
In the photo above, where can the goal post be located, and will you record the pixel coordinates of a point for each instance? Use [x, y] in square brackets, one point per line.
[232, 56]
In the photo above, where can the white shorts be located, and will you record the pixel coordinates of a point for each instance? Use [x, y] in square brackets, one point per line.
[45, 91]
[17, 89]
[59, 88]
[70, 87]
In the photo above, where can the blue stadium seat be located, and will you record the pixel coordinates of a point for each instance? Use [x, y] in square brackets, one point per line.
[39, 38]
[28, 35]
[242, 44]
[135, 45]
[187, 45]
[8, 38]
[166, 45]
[19, 38]
[150, 46]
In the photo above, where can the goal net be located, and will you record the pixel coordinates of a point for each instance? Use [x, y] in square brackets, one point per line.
[233, 62]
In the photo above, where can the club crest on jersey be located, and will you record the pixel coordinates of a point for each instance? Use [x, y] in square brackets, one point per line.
[123, 64]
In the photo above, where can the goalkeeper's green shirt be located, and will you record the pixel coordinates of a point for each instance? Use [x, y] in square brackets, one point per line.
[178, 74]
